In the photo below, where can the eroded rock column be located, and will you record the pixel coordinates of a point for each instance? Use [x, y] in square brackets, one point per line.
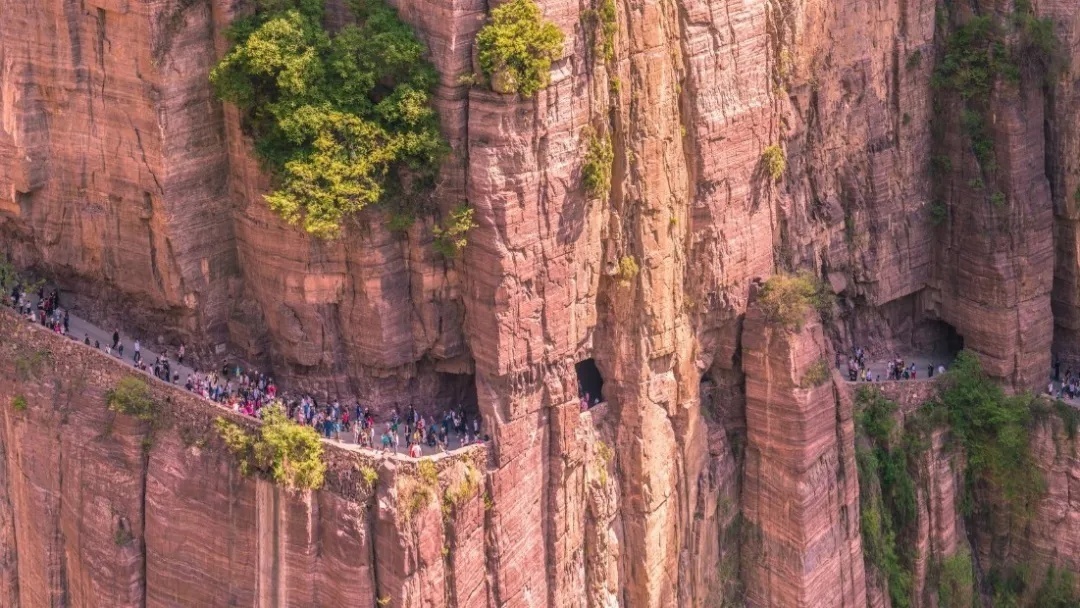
[801, 543]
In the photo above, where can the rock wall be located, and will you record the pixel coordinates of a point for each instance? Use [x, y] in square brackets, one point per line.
[113, 156]
[800, 491]
[102, 509]
[123, 179]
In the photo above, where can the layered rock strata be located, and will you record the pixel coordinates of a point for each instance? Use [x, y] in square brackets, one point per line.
[122, 178]
[103, 509]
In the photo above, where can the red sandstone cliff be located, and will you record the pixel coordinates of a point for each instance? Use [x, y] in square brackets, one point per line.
[122, 178]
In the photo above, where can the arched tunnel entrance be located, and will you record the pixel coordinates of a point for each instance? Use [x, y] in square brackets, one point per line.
[938, 340]
[590, 382]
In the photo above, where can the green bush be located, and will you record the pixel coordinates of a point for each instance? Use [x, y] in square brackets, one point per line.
[1007, 585]
[339, 119]
[941, 164]
[772, 157]
[604, 22]
[457, 494]
[369, 477]
[596, 170]
[975, 57]
[427, 472]
[785, 299]
[956, 583]
[939, 213]
[815, 375]
[628, 269]
[451, 238]
[874, 414]
[288, 453]
[19, 404]
[914, 59]
[1058, 590]
[517, 46]
[1039, 46]
[131, 396]
[993, 429]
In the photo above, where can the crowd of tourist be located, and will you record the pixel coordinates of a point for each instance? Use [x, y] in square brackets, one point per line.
[250, 392]
[1067, 384]
[896, 369]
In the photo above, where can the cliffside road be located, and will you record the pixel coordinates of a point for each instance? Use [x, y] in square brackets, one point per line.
[79, 329]
[880, 369]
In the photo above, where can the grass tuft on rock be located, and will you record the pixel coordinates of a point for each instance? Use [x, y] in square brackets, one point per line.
[131, 396]
[786, 299]
[287, 453]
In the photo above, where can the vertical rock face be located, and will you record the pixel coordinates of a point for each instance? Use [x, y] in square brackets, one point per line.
[124, 179]
[99, 508]
[113, 158]
[800, 492]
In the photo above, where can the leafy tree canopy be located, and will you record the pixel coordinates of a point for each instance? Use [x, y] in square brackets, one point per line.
[517, 46]
[339, 118]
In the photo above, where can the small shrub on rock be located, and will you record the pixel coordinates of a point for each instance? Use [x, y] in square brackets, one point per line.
[369, 477]
[452, 237]
[785, 299]
[286, 452]
[517, 46]
[628, 269]
[773, 159]
[596, 171]
[131, 396]
[815, 375]
[19, 404]
[604, 25]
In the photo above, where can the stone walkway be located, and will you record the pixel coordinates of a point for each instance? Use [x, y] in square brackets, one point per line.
[880, 368]
[79, 329]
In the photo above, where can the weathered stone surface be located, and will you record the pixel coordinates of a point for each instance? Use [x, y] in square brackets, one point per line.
[115, 511]
[800, 494]
[113, 156]
[122, 177]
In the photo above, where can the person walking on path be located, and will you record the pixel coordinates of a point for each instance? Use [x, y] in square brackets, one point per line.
[115, 338]
[137, 356]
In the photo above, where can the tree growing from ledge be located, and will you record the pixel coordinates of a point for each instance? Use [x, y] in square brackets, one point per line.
[286, 452]
[341, 120]
[517, 46]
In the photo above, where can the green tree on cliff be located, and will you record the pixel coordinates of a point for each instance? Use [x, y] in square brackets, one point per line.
[341, 120]
[517, 46]
[286, 452]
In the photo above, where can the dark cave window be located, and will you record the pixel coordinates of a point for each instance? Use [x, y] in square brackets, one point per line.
[590, 382]
[458, 390]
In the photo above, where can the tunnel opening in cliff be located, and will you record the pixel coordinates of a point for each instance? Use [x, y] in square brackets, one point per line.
[937, 339]
[590, 382]
[457, 391]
